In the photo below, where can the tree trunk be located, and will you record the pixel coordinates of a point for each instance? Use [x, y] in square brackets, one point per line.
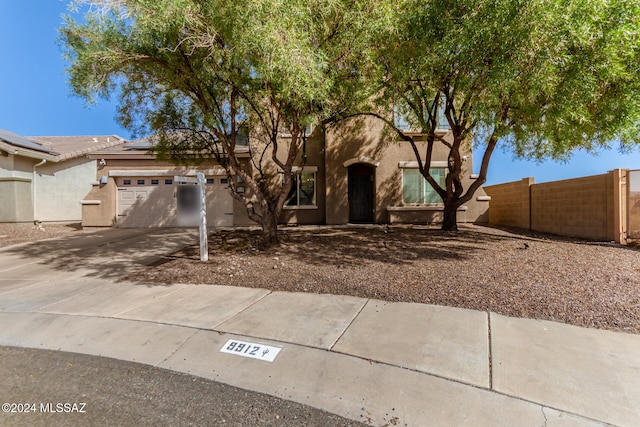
[269, 226]
[450, 220]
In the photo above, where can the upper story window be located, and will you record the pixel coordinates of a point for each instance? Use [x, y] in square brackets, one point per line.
[401, 119]
[308, 130]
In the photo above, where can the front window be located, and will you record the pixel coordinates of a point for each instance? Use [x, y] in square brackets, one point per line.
[303, 190]
[416, 189]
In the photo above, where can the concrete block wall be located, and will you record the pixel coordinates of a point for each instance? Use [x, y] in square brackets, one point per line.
[577, 207]
[593, 207]
[510, 204]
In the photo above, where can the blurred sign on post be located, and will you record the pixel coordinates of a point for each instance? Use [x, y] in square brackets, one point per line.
[192, 207]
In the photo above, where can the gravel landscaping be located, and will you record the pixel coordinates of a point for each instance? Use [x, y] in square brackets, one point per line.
[11, 234]
[513, 273]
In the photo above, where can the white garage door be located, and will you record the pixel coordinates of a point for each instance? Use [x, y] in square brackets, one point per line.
[151, 202]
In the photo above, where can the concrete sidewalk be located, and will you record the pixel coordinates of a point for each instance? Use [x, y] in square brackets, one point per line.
[368, 360]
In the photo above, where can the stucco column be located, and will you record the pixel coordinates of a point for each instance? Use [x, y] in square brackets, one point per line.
[620, 193]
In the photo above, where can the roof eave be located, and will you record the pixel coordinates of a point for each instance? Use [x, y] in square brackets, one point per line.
[137, 156]
[35, 155]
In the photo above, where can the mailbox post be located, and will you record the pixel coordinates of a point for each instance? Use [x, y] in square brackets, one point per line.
[202, 206]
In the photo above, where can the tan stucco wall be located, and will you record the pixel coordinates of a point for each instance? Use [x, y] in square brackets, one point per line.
[354, 141]
[15, 200]
[59, 188]
[364, 140]
[17, 166]
[314, 158]
[104, 214]
[54, 191]
[6, 164]
[15, 190]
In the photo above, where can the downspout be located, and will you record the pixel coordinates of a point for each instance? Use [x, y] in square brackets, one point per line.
[33, 186]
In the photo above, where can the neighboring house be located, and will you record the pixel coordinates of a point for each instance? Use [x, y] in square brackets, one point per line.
[45, 178]
[354, 173]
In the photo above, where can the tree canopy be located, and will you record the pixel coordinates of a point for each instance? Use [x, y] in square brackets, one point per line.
[198, 74]
[543, 77]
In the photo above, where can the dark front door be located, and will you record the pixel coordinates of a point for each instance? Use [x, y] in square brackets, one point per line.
[360, 193]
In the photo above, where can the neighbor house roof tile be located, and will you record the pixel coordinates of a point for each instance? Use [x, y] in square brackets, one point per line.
[69, 147]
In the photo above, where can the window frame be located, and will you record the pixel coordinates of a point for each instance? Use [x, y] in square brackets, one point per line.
[413, 166]
[308, 131]
[295, 187]
[442, 125]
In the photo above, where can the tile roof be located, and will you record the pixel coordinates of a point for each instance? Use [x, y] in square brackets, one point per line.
[140, 148]
[13, 139]
[69, 147]
[56, 148]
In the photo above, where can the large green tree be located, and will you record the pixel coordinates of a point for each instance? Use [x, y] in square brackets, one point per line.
[543, 77]
[215, 78]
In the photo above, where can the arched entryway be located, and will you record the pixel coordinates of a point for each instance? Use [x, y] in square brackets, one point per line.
[361, 193]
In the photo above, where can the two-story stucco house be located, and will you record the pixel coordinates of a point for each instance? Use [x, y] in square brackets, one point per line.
[354, 172]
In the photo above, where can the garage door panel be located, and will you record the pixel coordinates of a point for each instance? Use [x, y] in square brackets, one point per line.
[219, 206]
[127, 195]
[156, 206]
[146, 206]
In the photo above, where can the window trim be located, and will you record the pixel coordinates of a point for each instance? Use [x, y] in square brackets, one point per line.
[415, 165]
[423, 203]
[410, 130]
[308, 131]
[297, 171]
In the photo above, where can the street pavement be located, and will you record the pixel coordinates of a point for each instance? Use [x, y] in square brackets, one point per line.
[57, 388]
[367, 360]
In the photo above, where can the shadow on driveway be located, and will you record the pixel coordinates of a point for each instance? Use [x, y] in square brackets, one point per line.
[107, 254]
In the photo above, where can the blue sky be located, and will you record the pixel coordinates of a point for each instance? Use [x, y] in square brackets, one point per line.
[36, 100]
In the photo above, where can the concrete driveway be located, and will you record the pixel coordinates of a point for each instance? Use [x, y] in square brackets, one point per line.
[106, 254]
[367, 360]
